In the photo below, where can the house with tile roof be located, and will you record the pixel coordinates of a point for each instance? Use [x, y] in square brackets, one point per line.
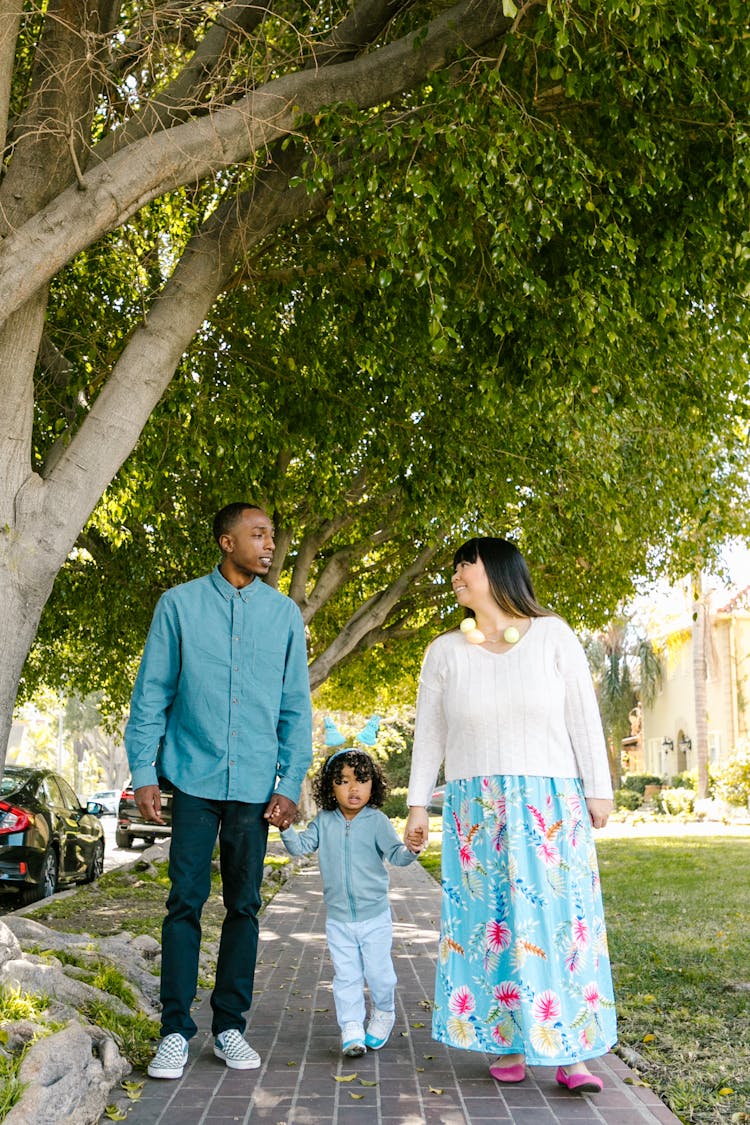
[665, 743]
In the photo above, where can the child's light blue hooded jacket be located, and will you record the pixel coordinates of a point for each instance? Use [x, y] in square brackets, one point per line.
[352, 856]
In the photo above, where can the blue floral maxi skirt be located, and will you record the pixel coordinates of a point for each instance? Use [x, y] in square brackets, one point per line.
[523, 963]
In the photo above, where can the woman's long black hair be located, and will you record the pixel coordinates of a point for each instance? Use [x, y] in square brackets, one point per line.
[507, 572]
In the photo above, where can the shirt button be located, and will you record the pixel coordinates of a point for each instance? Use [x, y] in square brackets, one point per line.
[235, 700]
[234, 734]
[236, 669]
[235, 638]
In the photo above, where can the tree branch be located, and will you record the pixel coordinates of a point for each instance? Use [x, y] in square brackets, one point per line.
[182, 96]
[110, 430]
[188, 153]
[10, 21]
[368, 616]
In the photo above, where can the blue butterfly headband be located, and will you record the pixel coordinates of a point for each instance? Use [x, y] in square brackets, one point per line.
[346, 750]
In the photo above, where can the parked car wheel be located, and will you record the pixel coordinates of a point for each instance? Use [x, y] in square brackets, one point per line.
[96, 867]
[47, 884]
[123, 839]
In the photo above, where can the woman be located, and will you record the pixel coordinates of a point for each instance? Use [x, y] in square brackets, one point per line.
[507, 703]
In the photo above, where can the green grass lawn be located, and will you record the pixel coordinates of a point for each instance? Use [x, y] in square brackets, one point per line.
[678, 917]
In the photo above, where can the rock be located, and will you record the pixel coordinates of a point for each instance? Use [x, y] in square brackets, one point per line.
[50, 980]
[34, 933]
[9, 946]
[148, 946]
[133, 956]
[68, 1077]
[19, 1033]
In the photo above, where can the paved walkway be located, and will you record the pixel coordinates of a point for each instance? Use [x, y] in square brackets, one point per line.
[304, 1080]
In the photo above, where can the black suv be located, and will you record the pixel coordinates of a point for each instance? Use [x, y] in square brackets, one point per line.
[131, 825]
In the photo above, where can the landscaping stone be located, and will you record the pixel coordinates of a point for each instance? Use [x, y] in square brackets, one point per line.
[68, 1077]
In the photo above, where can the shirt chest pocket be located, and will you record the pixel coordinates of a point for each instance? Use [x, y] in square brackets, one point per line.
[269, 659]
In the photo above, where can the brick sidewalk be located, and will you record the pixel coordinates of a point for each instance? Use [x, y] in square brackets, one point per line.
[412, 1080]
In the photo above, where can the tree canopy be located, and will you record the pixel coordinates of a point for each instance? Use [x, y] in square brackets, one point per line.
[422, 270]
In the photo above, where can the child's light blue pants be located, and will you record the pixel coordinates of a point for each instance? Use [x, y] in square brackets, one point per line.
[361, 951]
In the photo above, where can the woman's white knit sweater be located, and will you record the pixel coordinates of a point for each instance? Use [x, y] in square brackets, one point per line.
[531, 710]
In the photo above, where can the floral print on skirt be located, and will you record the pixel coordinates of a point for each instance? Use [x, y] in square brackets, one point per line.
[523, 963]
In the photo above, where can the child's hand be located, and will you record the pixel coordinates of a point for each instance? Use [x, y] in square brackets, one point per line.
[415, 840]
[417, 829]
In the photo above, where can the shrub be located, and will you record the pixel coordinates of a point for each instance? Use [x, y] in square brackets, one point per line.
[732, 779]
[676, 801]
[395, 804]
[627, 799]
[638, 781]
[688, 779]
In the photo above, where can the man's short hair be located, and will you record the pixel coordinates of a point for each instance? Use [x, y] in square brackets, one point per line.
[225, 519]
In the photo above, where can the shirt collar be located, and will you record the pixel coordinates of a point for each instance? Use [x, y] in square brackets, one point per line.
[227, 590]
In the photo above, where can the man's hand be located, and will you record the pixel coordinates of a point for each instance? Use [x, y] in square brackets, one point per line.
[281, 811]
[599, 810]
[148, 800]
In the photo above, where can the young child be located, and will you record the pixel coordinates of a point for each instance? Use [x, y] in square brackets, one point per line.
[354, 838]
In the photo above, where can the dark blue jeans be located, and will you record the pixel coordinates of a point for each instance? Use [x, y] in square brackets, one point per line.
[243, 833]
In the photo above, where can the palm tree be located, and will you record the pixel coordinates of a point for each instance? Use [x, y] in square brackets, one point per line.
[625, 668]
[701, 641]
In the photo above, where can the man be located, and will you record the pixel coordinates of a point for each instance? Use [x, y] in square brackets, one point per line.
[221, 711]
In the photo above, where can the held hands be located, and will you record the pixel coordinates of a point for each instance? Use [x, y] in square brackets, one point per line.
[417, 830]
[281, 811]
[599, 810]
[148, 800]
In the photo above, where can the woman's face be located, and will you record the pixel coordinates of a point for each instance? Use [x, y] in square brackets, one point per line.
[471, 584]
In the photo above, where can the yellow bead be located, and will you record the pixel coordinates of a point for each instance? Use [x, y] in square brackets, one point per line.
[467, 625]
[511, 635]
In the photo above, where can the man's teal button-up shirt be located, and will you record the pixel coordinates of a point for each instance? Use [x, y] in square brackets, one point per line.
[221, 704]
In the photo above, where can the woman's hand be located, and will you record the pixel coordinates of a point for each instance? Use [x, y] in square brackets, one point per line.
[599, 810]
[417, 830]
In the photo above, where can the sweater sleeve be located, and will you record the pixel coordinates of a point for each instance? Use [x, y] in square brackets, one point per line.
[301, 843]
[430, 729]
[582, 718]
[389, 845]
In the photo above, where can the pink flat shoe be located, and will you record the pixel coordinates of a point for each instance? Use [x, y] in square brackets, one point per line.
[579, 1083]
[515, 1073]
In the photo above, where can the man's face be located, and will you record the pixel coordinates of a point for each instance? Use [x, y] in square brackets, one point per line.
[248, 548]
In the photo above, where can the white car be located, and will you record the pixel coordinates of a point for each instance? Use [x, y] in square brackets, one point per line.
[109, 798]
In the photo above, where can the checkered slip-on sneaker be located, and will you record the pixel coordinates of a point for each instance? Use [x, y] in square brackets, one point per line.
[236, 1051]
[170, 1058]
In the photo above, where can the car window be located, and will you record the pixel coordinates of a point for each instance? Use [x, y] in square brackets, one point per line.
[69, 798]
[10, 783]
[51, 792]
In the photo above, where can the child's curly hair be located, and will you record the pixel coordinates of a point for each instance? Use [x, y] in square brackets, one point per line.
[365, 769]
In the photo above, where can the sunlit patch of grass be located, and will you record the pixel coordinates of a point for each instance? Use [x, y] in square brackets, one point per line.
[18, 1005]
[135, 1034]
[11, 1088]
[678, 918]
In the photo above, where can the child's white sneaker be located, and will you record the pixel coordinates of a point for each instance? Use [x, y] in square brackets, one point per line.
[379, 1028]
[353, 1040]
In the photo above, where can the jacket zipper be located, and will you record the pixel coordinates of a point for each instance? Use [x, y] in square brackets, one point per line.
[348, 871]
